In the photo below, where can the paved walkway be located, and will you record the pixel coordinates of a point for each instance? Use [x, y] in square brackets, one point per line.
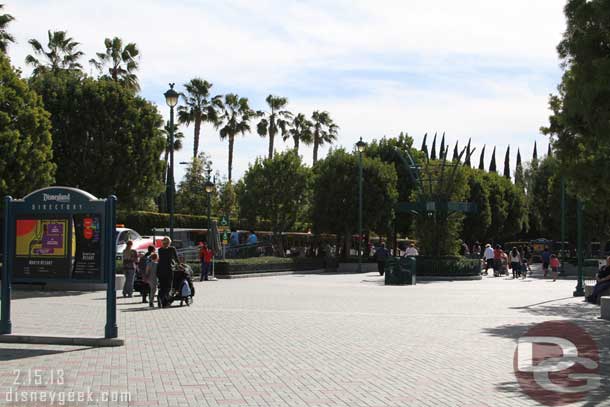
[300, 340]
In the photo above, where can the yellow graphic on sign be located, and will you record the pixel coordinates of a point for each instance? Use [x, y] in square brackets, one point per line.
[41, 237]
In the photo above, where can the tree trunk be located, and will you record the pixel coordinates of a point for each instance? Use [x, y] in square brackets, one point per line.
[296, 144]
[196, 136]
[271, 137]
[231, 141]
[315, 150]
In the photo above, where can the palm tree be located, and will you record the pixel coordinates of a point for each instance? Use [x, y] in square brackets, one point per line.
[235, 119]
[5, 37]
[324, 131]
[62, 53]
[274, 121]
[122, 61]
[178, 136]
[199, 108]
[300, 130]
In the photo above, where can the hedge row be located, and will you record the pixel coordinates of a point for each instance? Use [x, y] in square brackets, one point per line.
[447, 266]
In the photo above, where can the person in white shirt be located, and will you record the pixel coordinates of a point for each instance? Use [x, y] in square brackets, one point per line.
[488, 255]
[411, 251]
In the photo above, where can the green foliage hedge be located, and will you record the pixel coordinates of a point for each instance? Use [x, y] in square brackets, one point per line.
[447, 266]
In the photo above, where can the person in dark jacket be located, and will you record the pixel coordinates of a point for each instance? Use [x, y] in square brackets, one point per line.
[165, 274]
[380, 255]
[603, 283]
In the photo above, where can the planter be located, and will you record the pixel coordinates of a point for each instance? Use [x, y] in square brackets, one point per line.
[447, 266]
[353, 267]
[296, 264]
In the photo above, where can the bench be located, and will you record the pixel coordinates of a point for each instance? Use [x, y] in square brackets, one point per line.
[605, 308]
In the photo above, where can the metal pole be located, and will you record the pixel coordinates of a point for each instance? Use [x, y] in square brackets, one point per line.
[111, 329]
[359, 212]
[563, 221]
[579, 292]
[208, 234]
[5, 318]
[171, 173]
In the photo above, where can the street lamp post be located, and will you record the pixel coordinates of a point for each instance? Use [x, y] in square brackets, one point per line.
[209, 188]
[171, 98]
[580, 290]
[360, 145]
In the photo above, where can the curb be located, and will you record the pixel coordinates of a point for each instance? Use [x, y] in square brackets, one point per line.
[62, 340]
[269, 274]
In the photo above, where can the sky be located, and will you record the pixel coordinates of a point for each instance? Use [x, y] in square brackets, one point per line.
[479, 69]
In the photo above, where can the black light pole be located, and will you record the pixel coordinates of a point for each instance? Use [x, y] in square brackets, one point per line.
[171, 98]
[209, 188]
[360, 145]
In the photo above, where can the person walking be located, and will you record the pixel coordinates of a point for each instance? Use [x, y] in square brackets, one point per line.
[554, 263]
[381, 254]
[141, 273]
[488, 255]
[498, 252]
[205, 257]
[515, 262]
[130, 258]
[165, 274]
[411, 251]
[151, 277]
[546, 259]
[476, 250]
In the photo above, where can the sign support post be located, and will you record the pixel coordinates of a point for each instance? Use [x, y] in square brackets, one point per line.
[5, 319]
[111, 329]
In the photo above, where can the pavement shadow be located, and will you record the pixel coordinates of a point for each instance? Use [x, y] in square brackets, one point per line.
[582, 314]
[7, 354]
[19, 294]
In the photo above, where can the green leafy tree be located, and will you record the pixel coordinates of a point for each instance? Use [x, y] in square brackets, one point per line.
[25, 137]
[300, 131]
[122, 62]
[235, 119]
[335, 195]
[386, 150]
[476, 225]
[106, 140]
[191, 197]
[324, 131]
[579, 125]
[199, 108]
[276, 121]
[61, 54]
[5, 37]
[274, 190]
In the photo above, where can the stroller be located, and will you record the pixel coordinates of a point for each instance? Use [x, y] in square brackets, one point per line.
[183, 288]
[501, 266]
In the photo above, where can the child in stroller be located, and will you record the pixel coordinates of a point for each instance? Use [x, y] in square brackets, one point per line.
[183, 288]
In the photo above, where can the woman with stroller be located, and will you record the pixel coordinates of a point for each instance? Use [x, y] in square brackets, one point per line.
[167, 256]
[183, 290]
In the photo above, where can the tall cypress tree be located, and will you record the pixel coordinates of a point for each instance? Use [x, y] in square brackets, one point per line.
[507, 163]
[535, 154]
[433, 151]
[442, 149]
[482, 159]
[492, 163]
[519, 178]
[424, 147]
[455, 152]
[549, 152]
[468, 154]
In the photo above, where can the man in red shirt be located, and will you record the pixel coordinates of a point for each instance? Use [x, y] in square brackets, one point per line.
[205, 257]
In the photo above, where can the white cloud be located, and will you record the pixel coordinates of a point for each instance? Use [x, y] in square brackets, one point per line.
[474, 68]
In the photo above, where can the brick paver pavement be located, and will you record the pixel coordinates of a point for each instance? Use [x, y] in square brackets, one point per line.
[300, 340]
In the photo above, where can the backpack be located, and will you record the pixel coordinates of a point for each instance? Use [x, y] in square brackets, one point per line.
[185, 291]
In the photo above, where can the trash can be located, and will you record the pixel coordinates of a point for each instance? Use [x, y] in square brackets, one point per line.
[400, 271]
